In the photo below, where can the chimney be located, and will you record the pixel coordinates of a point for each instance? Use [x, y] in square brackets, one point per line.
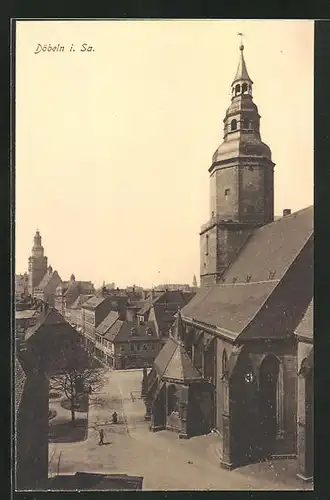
[286, 211]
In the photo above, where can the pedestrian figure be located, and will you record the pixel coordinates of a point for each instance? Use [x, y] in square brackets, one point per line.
[101, 432]
[114, 417]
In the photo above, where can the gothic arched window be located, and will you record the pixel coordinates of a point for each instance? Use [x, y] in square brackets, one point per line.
[244, 87]
[233, 125]
[237, 89]
[246, 123]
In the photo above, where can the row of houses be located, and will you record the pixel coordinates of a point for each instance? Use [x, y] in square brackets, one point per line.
[124, 332]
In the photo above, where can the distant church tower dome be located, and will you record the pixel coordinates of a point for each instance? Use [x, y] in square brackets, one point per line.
[50, 269]
[72, 277]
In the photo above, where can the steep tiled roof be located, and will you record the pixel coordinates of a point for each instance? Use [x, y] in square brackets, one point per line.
[77, 304]
[173, 363]
[230, 307]
[254, 274]
[51, 318]
[306, 325]
[19, 383]
[113, 331]
[93, 302]
[46, 279]
[272, 248]
[147, 331]
[76, 288]
[107, 323]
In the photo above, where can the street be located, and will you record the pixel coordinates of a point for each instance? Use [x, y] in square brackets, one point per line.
[165, 461]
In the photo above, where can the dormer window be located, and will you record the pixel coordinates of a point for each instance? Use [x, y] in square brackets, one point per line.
[148, 331]
[233, 125]
[134, 331]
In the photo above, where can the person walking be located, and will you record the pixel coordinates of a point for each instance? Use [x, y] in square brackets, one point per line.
[101, 432]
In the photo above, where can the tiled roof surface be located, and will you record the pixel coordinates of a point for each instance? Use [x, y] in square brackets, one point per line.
[46, 279]
[113, 331]
[51, 318]
[107, 323]
[76, 288]
[93, 302]
[174, 363]
[125, 334]
[266, 257]
[19, 383]
[306, 325]
[80, 301]
[272, 248]
[230, 307]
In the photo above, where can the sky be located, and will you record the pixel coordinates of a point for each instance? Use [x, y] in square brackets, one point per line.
[113, 144]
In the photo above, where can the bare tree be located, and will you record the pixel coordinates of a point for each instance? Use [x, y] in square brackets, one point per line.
[80, 374]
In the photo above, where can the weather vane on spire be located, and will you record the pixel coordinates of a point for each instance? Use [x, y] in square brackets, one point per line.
[241, 35]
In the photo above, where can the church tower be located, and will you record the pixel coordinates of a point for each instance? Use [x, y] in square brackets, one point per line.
[37, 264]
[241, 182]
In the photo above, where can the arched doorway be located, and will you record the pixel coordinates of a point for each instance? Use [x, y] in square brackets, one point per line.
[242, 404]
[268, 382]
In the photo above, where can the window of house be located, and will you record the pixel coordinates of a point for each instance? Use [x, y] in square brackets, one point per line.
[207, 244]
[137, 347]
[145, 347]
[122, 348]
[227, 191]
[132, 347]
[233, 125]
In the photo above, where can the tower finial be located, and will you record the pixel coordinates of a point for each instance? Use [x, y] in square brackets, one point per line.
[241, 47]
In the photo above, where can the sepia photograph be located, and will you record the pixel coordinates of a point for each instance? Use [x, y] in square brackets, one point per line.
[164, 242]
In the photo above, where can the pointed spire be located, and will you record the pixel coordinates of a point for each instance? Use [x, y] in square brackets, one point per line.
[242, 73]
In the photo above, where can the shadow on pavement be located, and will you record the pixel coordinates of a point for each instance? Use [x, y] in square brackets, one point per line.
[64, 431]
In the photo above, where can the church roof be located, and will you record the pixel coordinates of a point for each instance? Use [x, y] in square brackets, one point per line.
[173, 363]
[253, 276]
[305, 329]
